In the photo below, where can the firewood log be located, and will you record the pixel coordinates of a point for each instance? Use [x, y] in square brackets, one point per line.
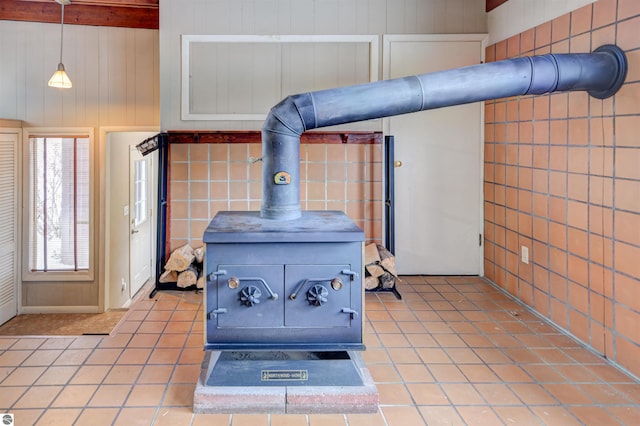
[168, 277]
[188, 277]
[201, 280]
[199, 253]
[387, 260]
[180, 259]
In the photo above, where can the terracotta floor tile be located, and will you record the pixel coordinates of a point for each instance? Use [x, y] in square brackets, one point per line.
[402, 416]
[164, 356]
[462, 394]
[73, 357]
[449, 341]
[57, 343]
[478, 373]
[178, 327]
[110, 396]
[38, 397]
[376, 356]
[568, 393]
[57, 375]
[10, 394]
[388, 327]
[403, 356]
[480, 416]
[123, 374]
[463, 356]
[143, 340]
[145, 396]
[543, 373]
[629, 390]
[134, 356]
[104, 356]
[447, 373]
[288, 420]
[28, 343]
[577, 373]
[186, 374]
[23, 376]
[427, 394]
[90, 374]
[192, 356]
[27, 417]
[422, 341]
[511, 373]
[593, 415]
[128, 327]
[59, 416]
[129, 416]
[497, 394]
[96, 416]
[119, 340]
[532, 394]
[517, 415]
[213, 420]
[74, 396]
[383, 373]
[250, 420]
[601, 393]
[156, 374]
[180, 395]
[441, 416]
[393, 394]
[171, 341]
[375, 419]
[13, 358]
[85, 342]
[493, 356]
[171, 416]
[414, 373]
[433, 356]
[627, 415]
[152, 327]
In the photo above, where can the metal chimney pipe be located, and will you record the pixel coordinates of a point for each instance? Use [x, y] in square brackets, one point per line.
[601, 73]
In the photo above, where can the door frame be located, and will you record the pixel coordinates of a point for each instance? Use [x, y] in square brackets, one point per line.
[105, 281]
[151, 171]
[482, 39]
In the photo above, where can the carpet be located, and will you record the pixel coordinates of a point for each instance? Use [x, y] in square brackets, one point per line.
[62, 324]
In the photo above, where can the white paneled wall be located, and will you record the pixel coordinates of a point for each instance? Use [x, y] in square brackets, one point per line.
[115, 75]
[295, 17]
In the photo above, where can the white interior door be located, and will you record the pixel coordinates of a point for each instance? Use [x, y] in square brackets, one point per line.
[438, 186]
[140, 219]
[8, 226]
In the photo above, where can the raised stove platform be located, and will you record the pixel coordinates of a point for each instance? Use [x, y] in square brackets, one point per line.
[284, 382]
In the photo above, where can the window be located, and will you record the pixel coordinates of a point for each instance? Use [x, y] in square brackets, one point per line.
[59, 203]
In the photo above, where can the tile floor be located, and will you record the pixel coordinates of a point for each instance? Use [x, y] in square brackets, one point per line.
[453, 351]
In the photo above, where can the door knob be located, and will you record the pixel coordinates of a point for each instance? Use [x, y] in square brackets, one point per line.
[134, 231]
[397, 163]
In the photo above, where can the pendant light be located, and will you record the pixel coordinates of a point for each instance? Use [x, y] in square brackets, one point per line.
[60, 78]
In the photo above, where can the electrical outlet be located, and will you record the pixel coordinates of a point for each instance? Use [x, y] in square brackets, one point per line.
[525, 254]
[123, 284]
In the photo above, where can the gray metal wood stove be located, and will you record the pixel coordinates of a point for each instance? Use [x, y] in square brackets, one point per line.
[281, 283]
[284, 285]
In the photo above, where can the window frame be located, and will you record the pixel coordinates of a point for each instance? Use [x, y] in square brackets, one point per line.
[56, 276]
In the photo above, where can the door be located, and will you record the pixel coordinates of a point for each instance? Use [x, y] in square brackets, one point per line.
[438, 185]
[140, 220]
[8, 226]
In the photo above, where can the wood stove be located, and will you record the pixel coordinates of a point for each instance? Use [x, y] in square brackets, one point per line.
[284, 285]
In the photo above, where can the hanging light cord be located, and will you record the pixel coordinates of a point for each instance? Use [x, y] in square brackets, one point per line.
[61, 32]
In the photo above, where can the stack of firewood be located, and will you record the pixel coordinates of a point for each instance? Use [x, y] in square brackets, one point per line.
[380, 267]
[184, 267]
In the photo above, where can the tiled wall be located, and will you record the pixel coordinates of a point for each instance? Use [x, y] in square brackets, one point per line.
[562, 178]
[207, 178]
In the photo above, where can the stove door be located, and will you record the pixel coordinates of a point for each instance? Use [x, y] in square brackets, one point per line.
[317, 296]
[251, 294]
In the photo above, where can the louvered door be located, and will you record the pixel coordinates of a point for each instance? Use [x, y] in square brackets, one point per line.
[8, 225]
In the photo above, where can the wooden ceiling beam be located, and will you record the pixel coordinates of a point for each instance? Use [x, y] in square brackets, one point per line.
[129, 14]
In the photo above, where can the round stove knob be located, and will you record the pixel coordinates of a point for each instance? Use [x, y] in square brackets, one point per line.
[317, 295]
[250, 296]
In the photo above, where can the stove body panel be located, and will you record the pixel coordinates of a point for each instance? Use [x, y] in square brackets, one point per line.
[294, 285]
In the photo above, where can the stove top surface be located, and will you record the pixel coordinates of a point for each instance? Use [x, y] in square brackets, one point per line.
[313, 226]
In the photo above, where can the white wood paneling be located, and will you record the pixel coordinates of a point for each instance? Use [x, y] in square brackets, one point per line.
[242, 77]
[295, 17]
[115, 75]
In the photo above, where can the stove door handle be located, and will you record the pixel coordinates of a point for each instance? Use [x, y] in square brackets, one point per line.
[304, 283]
[272, 295]
[354, 314]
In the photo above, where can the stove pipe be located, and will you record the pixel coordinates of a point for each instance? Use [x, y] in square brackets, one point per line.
[601, 73]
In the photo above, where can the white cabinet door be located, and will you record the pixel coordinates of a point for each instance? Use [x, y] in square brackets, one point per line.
[8, 226]
[438, 187]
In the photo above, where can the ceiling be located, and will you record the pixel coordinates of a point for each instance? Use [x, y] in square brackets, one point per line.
[108, 13]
